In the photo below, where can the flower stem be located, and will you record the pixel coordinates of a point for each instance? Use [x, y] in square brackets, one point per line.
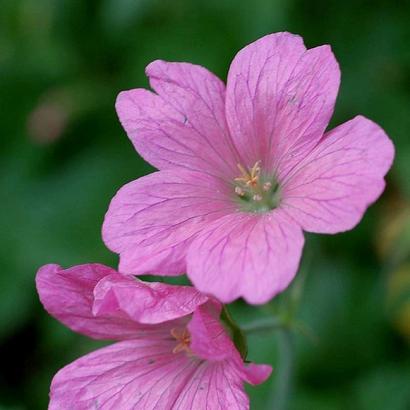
[282, 383]
[263, 325]
[283, 375]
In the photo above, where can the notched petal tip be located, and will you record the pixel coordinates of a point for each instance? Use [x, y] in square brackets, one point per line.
[45, 274]
[49, 268]
[388, 152]
[274, 37]
[154, 66]
[332, 187]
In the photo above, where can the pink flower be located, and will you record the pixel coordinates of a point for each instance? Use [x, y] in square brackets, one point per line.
[173, 352]
[243, 169]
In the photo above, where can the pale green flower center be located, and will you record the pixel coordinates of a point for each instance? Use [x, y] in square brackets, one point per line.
[255, 191]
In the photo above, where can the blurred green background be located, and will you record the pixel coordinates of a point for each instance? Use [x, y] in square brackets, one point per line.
[64, 154]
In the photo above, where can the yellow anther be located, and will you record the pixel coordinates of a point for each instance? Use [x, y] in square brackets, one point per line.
[239, 191]
[267, 186]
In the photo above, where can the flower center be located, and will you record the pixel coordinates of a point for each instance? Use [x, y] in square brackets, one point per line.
[256, 191]
[183, 338]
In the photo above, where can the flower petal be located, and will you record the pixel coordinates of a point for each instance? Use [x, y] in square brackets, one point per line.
[209, 339]
[329, 191]
[67, 295]
[134, 374]
[145, 302]
[183, 126]
[256, 373]
[216, 386]
[144, 374]
[152, 220]
[250, 255]
[279, 100]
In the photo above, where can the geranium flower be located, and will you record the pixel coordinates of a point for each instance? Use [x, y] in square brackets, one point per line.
[243, 170]
[173, 353]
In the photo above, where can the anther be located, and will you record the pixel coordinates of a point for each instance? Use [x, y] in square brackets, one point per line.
[239, 191]
[257, 197]
[267, 186]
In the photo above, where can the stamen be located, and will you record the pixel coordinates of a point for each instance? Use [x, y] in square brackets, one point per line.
[243, 171]
[183, 337]
[258, 191]
[256, 169]
[250, 178]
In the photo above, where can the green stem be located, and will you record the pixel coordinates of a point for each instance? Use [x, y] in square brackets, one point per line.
[263, 325]
[283, 379]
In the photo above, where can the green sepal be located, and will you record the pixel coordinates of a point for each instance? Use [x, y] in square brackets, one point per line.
[238, 337]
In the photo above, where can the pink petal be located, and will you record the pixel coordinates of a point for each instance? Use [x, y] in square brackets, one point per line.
[329, 191]
[216, 386]
[209, 339]
[256, 373]
[135, 374]
[183, 126]
[145, 374]
[67, 295]
[279, 100]
[217, 383]
[250, 255]
[152, 220]
[145, 302]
